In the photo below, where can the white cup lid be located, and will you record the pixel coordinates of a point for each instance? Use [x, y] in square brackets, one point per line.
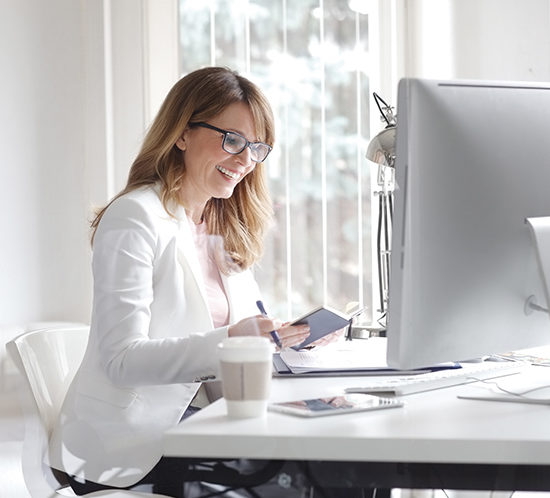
[245, 348]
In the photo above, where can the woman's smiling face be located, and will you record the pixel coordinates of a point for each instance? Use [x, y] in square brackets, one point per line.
[210, 171]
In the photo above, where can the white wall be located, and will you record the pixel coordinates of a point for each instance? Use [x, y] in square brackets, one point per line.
[502, 39]
[43, 252]
[73, 116]
[477, 39]
[75, 102]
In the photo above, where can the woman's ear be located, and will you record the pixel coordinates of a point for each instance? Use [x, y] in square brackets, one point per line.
[181, 142]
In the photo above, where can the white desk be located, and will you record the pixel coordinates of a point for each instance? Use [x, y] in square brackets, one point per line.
[433, 428]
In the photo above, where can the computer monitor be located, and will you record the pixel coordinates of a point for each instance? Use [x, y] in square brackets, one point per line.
[472, 163]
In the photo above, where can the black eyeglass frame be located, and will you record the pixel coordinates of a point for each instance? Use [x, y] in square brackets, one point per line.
[247, 143]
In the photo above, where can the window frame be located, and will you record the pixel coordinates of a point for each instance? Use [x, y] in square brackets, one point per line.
[149, 49]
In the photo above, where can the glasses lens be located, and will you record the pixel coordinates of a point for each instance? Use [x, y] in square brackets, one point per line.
[233, 143]
[259, 151]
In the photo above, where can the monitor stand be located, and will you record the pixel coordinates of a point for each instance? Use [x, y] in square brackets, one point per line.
[540, 231]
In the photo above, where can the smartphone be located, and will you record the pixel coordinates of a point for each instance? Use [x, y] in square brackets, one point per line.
[335, 405]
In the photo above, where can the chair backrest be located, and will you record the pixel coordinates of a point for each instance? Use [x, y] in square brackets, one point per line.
[48, 359]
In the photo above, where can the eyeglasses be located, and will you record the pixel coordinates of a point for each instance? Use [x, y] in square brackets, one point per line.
[233, 143]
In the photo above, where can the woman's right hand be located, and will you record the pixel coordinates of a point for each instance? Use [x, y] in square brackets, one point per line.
[261, 325]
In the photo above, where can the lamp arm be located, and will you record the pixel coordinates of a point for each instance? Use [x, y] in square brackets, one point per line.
[385, 110]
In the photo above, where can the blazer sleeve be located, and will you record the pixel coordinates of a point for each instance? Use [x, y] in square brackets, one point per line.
[124, 254]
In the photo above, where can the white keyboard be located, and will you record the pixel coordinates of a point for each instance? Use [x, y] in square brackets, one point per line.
[410, 384]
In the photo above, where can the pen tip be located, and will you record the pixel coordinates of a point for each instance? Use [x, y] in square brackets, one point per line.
[260, 306]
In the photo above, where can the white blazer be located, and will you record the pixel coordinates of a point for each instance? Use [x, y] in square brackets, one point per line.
[151, 343]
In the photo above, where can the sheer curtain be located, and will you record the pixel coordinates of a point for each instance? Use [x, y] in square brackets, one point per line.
[314, 60]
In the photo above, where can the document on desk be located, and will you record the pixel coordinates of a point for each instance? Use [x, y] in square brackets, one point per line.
[361, 355]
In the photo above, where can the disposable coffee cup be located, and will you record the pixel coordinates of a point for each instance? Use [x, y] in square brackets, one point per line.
[246, 366]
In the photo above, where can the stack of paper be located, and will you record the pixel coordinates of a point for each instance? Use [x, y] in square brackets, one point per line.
[361, 354]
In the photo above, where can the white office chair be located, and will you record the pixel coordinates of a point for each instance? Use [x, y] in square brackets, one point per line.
[48, 360]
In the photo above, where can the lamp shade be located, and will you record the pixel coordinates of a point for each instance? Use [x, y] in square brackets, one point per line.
[381, 149]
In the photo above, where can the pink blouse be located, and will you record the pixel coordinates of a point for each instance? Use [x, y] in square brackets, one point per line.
[217, 298]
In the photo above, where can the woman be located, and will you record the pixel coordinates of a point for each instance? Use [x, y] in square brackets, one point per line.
[172, 255]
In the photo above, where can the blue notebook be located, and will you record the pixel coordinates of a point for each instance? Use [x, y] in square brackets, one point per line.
[322, 321]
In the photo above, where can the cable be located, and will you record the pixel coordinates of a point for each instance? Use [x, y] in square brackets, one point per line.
[512, 393]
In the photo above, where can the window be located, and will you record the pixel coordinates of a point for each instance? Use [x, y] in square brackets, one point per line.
[312, 60]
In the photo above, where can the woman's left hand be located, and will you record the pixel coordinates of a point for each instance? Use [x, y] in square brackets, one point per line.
[292, 335]
[329, 338]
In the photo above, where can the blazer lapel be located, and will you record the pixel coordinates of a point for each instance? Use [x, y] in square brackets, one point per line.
[195, 291]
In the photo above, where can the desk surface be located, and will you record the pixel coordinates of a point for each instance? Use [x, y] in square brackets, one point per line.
[434, 426]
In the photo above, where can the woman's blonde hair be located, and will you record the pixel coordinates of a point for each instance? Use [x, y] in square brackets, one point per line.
[240, 220]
